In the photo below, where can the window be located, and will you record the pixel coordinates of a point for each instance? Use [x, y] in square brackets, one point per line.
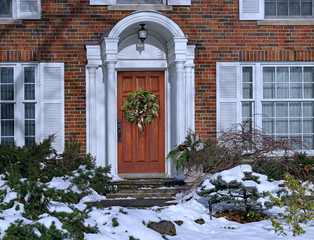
[20, 9]
[140, 1]
[277, 98]
[31, 102]
[288, 8]
[137, 2]
[277, 10]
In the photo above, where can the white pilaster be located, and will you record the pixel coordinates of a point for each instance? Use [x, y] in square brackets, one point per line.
[180, 104]
[190, 87]
[111, 117]
[92, 146]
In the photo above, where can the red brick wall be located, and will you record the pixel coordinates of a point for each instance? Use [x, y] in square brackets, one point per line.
[213, 26]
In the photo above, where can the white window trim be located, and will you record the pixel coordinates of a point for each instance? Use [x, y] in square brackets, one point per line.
[255, 10]
[257, 91]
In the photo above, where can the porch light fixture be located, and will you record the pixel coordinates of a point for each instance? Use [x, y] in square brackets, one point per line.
[142, 33]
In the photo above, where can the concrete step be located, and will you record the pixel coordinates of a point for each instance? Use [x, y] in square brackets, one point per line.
[134, 203]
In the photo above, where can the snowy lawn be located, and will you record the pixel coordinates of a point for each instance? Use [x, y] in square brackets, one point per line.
[120, 223]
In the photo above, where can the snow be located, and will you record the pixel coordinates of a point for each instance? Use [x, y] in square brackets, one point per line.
[234, 174]
[133, 222]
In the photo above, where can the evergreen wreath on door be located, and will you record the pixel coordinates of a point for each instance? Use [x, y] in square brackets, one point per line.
[140, 107]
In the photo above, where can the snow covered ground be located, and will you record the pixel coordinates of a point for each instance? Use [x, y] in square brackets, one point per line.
[133, 222]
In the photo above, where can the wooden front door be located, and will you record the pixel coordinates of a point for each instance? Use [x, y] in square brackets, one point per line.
[142, 152]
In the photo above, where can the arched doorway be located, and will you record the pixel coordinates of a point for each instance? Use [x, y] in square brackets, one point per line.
[166, 51]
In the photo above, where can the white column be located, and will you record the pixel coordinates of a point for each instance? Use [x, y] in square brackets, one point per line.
[111, 115]
[189, 96]
[180, 104]
[92, 148]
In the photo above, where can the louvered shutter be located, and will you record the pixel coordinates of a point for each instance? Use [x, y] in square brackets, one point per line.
[28, 9]
[228, 95]
[251, 9]
[52, 103]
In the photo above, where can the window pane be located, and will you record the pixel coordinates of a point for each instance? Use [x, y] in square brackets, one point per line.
[270, 8]
[295, 126]
[268, 78]
[7, 92]
[7, 140]
[7, 122]
[306, 8]
[29, 110]
[296, 74]
[282, 126]
[282, 90]
[247, 78]
[268, 125]
[29, 141]
[268, 109]
[29, 75]
[268, 91]
[296, 90]
[295, 110]
[294, 7]
[308, 125]
[29, 127]
[268, 74]
[7, 111]
[308, 141]
[282, 7]
[7, 75]
[282, 109]
[5, 8]
[29, 91]
[282, 74]
[29, 114]
[7, 128]
[308, 90]
[309, 74]
[308, 109]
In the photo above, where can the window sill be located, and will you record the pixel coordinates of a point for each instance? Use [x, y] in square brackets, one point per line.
[285, 22]
[10, 21]
[127, 7]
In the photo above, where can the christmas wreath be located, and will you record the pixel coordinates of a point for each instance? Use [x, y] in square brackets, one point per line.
[140, 107]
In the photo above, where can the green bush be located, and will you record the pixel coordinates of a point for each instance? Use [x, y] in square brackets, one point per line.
[298, 204]
[20, 231]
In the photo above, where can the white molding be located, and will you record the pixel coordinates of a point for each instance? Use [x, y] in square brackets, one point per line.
[147, 16]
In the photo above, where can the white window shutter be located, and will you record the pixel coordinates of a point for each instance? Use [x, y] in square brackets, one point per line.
[251, 9]
[179, 2]
[228, 95]
[52, 103]
[28, 9]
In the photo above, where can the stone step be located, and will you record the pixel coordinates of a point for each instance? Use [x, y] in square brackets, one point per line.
[134, 203]
[146, 183]
[144, 194]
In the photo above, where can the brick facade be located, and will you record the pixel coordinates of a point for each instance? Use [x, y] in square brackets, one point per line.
[213, 26]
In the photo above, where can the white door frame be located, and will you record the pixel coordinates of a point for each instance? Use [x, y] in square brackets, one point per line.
[167, 51]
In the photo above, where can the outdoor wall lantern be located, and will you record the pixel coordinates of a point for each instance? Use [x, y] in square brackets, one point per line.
[142, 33]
